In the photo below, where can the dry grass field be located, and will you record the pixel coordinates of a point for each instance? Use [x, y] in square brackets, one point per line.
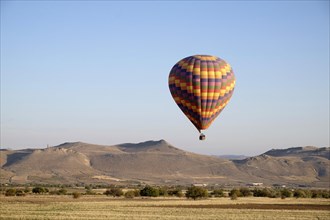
[101, 207]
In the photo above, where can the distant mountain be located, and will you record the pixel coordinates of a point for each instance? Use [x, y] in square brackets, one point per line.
[232, 157]
[308, 166]
[158, 162]
[300, 151]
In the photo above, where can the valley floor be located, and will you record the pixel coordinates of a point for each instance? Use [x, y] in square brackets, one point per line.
[102, 207]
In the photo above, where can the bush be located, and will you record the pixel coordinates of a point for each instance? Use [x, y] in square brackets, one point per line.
[19, 193]
[179, 194]
[218, 193]
[2, 190]
[245, 192]
[115, 192]
[90, 192]
[175, 192]
[39, 190]
[299, 193]
[62, 192]
[53, 192]
[149, 191]
[163, 191]
[325, 194]
[233, 196]
[285, 193]
[136, 193]
[130, 194]
[196, 192]
[58, 192]
[266, 192]
[76, 195]
[235, 193]
[10, 192]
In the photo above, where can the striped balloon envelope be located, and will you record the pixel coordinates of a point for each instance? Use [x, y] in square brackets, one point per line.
[201, 86]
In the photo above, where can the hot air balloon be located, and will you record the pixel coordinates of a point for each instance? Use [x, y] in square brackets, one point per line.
[201, 86]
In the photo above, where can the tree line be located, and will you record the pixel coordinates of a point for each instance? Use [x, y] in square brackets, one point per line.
[193, 192]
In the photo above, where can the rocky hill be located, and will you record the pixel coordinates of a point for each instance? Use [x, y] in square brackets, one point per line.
[158, 162]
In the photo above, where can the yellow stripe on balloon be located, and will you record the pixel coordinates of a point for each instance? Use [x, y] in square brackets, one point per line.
[204, 74]
[183, 86]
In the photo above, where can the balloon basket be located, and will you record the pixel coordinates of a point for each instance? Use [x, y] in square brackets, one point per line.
[202, 137]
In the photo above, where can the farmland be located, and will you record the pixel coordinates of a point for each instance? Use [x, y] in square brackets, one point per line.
[102, 207]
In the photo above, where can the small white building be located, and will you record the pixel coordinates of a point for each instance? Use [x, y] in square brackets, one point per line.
[200, 184]
[257, 184]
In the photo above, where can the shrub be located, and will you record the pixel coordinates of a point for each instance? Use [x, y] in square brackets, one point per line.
[266, 192]
[179, 193]
[2, 190]
[299, 193]
[53, 192]
[58, 192]
[90, 192]
[245, 192]
[308, 193]
[175, 192]
[136, 193]
[233, 196]
[285, 193]
[235, 192]
[320, 194]
[196, 192]
[163, 191]
[325, 194]
[62, 192]
[218, 193]
[258, 193]
[149, 191]
[19, 193]
[39, 190]
[130, 194]
[10, 192]
[76, 195]
[115, 192]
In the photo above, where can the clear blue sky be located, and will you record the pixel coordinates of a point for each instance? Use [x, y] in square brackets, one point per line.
[97, 72]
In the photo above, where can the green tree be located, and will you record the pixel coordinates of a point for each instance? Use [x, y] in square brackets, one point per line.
[286, 193]
[10, 192]
[265, 192]
[115, 192]
[175, 192]
[299, 193]
[233, 196]
[316, 194]
[26, 190]
[196, 192]
[20, 193]
[234, 193]
[325, 194]
[149, 191]
[218, 193]
[39, 190]
[130, 194]
[308, 193]
[163, 191]
[245, 192]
